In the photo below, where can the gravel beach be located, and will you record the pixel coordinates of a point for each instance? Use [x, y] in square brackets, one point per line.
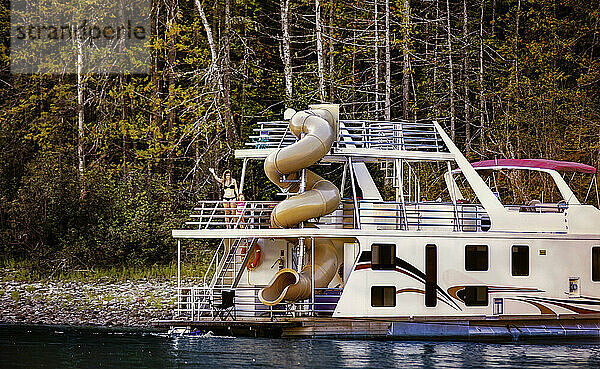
[100, 302]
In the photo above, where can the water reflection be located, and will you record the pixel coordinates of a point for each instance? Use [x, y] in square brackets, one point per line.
[471, 351]
[32, 347]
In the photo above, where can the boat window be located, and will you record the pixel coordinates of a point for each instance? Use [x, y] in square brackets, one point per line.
[430, 275]
[474, 295]
[596, 264]
[383, 296]
[476, 258]
[383, 256]
[520, 260]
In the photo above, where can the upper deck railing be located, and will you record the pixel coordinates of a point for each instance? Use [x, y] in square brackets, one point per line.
[361, 134]
[381, 215]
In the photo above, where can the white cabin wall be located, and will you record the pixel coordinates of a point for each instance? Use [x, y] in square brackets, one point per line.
[550, 273]
[271, 249]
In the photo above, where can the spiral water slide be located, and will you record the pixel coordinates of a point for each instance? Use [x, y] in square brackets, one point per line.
[315, 128]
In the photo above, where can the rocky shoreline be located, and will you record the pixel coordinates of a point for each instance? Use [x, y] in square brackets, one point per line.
[100, 302]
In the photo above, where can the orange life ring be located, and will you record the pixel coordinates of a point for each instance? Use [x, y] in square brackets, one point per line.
[255, 258]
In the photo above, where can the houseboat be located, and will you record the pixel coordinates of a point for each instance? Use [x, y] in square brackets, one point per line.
[428, 247]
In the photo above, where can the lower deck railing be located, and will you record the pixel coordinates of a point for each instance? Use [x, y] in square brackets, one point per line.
[196, 303]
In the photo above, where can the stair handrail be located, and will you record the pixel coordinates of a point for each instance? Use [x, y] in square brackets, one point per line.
[227, 259]
[245, 261]
[212, 262]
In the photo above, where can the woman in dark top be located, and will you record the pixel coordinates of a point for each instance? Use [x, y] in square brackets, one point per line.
[230, 192]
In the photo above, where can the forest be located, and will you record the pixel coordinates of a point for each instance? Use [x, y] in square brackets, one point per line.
[97, 168]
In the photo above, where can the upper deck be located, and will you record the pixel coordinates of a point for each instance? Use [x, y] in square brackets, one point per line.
[364, 210]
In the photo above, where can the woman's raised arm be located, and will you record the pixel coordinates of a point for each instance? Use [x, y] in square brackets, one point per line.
[212, 171]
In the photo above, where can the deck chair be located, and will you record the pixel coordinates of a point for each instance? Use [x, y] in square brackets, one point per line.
[227, 306]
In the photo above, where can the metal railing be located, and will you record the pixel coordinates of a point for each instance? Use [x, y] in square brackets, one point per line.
[414, 216]
[540, 208]
[219, 214]
[195, 303]
[399, 135]
[423, 216]
[368, 134]
[271, 135]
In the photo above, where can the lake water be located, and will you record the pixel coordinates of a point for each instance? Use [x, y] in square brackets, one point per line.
[67, 347]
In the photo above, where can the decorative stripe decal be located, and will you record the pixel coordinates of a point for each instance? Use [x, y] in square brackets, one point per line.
[513, 289]
[416, 290]
[454, 290]
[573, 301]
[364, 262]
[564, 304]
[495, 289]
[543, 309]
[402, 266]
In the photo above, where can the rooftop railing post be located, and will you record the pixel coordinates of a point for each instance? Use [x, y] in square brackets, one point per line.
[356, 209]
[457, 219]
[597, 195]
[241, 189]
[400, 178]
[343, 179]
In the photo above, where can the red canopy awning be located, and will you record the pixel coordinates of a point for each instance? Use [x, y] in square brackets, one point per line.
[561, 166]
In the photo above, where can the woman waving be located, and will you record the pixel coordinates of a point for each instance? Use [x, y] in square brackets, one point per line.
[230, 192]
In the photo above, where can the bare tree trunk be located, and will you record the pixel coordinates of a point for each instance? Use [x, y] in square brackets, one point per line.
[80, 115]
[286, 48]
[467, 102]
[376, 2]
[230, 130]
[481, 92]
[80, 118]
[451, 75]
[516, 45]
[406, 63]
[493, 18]
[125, 136]
[215, 72]
[209, 34]
[592, 47]
[388, 64]
[513, 82]
[331, 54]
[354, 72]
[172, 12]
[435, 57]
[156, 115]
[320, 65]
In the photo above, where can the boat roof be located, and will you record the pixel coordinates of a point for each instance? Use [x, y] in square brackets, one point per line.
[561, 166]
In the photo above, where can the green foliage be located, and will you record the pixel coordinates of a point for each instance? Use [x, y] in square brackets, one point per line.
[148, 140]
[116, 222]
